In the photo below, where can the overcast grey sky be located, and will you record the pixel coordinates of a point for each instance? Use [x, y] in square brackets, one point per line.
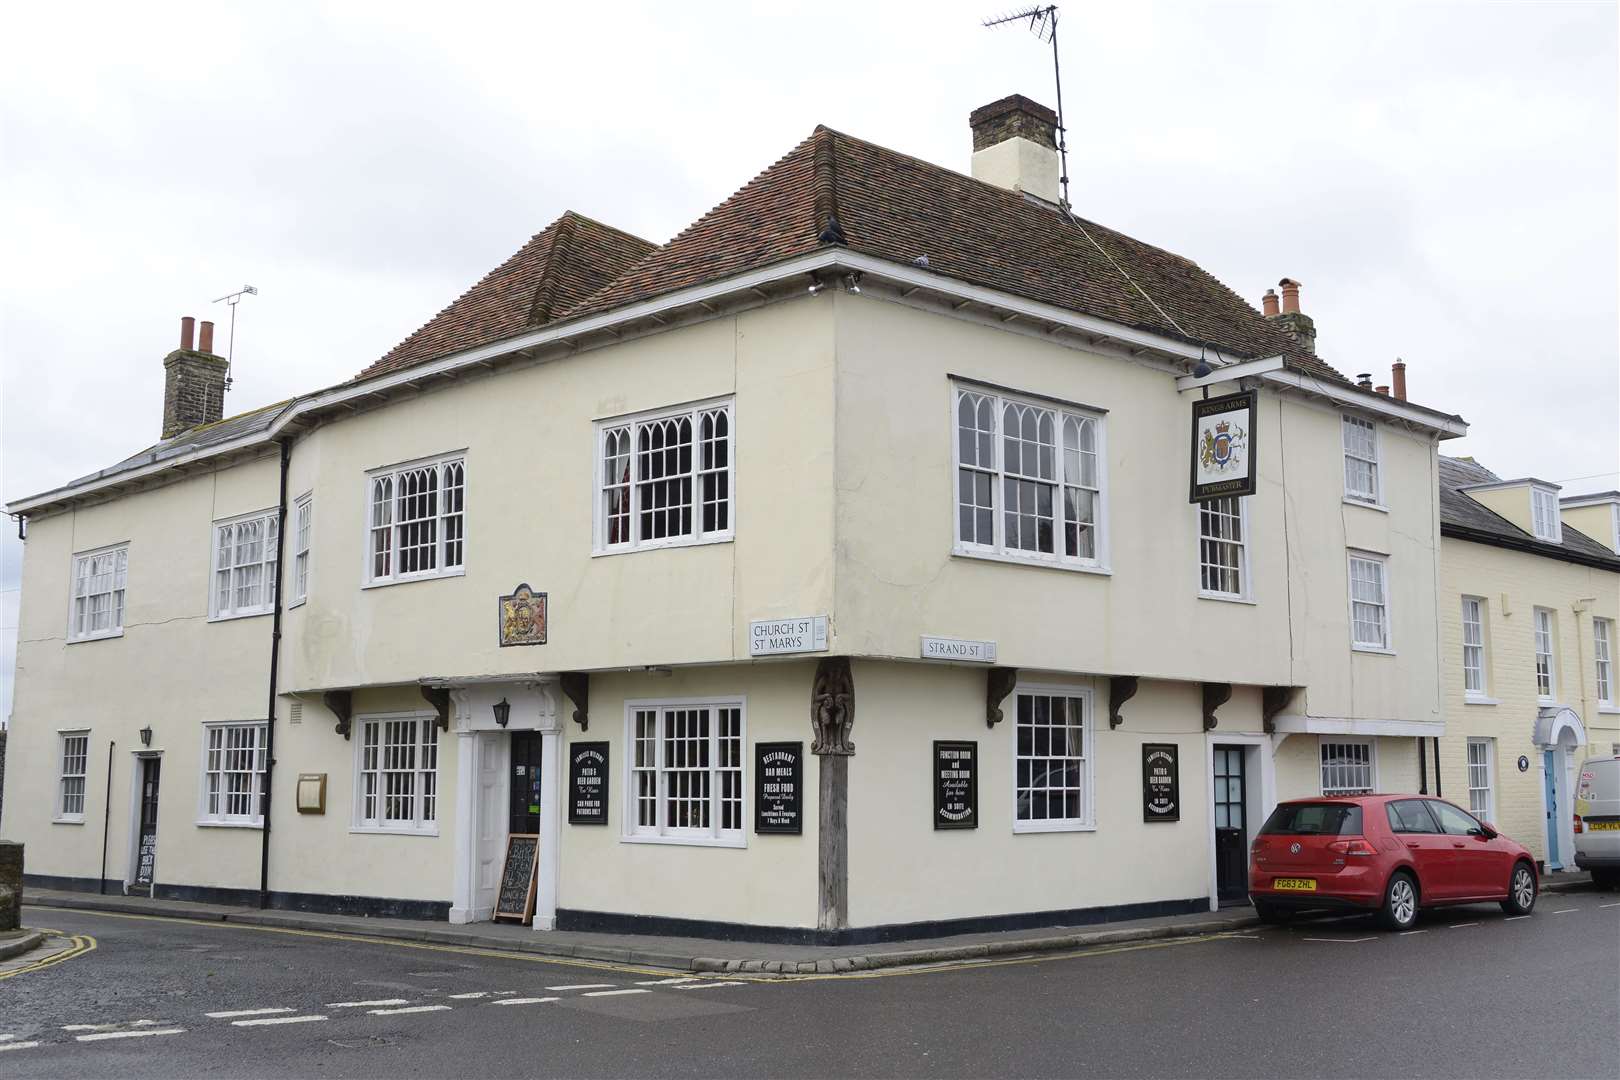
[1442, 177]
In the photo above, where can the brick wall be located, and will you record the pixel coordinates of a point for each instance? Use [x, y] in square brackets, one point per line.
[193, 390]
[11, 888]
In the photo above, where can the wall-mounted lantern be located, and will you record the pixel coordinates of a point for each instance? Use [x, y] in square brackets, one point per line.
[146, 735]
[503, 712]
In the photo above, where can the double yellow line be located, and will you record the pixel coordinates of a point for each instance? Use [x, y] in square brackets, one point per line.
[80, 944]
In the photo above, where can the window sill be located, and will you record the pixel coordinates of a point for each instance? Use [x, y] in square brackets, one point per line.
[1227, 598]
[1032, 827]
[204, 823]
[1351, 500]
[372, 831]
[686, 841]
[385, 583]
[233, 616]
[68, 820]
[1020, 560]
[1376, 650]
[1479, 699]
[298, 603]
[96, 637]
[1609, 710]
[660, 545]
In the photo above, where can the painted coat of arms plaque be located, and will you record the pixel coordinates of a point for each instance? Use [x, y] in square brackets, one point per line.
[523, 617]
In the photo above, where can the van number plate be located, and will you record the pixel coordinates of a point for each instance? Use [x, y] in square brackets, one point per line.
[1294, 884]
[1602, 826]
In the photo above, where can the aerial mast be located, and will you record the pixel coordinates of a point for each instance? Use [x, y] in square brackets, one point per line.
[1042, 23]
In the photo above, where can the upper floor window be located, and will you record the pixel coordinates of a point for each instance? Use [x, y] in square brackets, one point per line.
[303, 516]
[397, 761]
[416, 520]
[98, 594]
[686, 771]
[1602, 646]
[1347, 767]
[1369, 601]
[1361, 460]
[1473, 646]
[1223, 547]
[233, 774]
[1054, 761]
[1030, 480]
[1546, 664]
[665, 478]
[245, 565]
[75, 759]
[1544, 515]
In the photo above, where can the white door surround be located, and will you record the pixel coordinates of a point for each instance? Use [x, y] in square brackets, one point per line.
[483, 747]
[133, 855]
[1260, 764]
[1558, 729]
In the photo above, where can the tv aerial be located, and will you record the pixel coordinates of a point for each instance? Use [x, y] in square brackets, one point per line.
[230, 347]
[1042, 22]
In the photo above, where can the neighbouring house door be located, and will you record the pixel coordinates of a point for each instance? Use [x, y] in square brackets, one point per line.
[1551, 772]
[146, 839]
[490, 821]
[1231, 826]
[525, 782]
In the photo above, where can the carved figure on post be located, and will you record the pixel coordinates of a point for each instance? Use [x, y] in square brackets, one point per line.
[832, 707]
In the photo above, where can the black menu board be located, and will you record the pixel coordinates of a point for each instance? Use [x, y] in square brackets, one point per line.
[956, 785]
[588, 783]
[516, 898]
[779, 788]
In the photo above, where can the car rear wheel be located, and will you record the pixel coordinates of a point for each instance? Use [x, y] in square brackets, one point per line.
[1400, 901]
[1271, 914]
[1521, 890]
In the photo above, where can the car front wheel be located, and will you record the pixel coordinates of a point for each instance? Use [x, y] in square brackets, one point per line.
[1400, 901]
[1521, 891]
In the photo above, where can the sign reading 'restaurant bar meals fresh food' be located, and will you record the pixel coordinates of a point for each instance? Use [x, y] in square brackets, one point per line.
[1223, 448]
[774, 637]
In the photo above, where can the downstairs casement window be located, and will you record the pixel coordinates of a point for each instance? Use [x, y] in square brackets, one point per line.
[233, 774]
[416, 521]
[1053, 760]
[665, 478]
[245, 565]
[1347, 767]
[685, 771]
[1030, 480]
[397, 767]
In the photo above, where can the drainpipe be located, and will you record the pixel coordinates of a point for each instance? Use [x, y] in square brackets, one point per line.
[275, 657]
[106, 819]
[1437, 792]
[1423, 766]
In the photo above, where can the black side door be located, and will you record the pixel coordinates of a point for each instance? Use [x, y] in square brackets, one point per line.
[146, 845]
[525, 782]
[1231, 826]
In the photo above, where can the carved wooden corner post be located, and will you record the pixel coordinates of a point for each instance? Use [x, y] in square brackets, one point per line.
[341, 702]
[577, 685]
[1216, 694]
[998, 683]
[832, 715]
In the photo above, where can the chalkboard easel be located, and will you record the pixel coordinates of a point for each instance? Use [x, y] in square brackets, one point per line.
[515, 900]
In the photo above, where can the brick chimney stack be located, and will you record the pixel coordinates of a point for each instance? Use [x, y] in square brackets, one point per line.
[1298, 325]
[1015, 146]
[1398, 370]
[193, 382]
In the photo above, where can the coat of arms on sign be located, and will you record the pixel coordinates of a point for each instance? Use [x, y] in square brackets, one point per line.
[523, 617]
[1223, 446]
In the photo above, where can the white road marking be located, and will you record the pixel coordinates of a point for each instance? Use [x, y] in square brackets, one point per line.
[98, 1036]
[7, 1038]
[1515, 918]
[1615, 904]
[1566, 911]
[1341, 940]
[364, 1004]
[276, 1020]
[1460, 925]
[666, 982]
[710, 985]
[523, 1001]
[17, 1045]
[1409, 933]
[584, 986]
[469, 996]
[246, 1012]
[412, 1009]
[612, 993]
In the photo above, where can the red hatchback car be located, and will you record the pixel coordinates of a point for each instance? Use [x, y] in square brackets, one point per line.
[1392, 854]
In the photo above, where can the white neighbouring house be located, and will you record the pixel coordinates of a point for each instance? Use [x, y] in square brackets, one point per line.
[930, 432]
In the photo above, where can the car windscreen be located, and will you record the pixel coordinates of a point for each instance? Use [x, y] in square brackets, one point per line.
[1314, 819]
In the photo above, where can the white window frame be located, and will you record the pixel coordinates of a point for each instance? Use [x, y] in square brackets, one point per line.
[60, 814]
[394, 527]
[1545, 520]
[662, 832]
[1387, 646]
[633, 424]
[1323, 742]
[117, 592]
[418, 824]
[1479, 669]
[302, 530]
[1482, 769]
[269, 527]
[1367, 496]
[218, 815]
[1087, 821]
[1245, 586]
[1603, 661]
[1550, 639]
[1060, 482]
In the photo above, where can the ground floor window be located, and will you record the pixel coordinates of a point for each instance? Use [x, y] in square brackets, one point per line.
[398, 766]
[1053, 759]
[1481, 774]
[1347, 767]
[233, 774]
[70, 789]
[686, 771]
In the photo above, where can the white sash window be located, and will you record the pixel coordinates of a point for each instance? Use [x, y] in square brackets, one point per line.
[98, 594]
[233, 774]
[245, 565]
[397, 774]
[685, 771]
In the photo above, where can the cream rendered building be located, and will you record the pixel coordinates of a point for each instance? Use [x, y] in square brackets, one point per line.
[873, 588]
[1530, 598]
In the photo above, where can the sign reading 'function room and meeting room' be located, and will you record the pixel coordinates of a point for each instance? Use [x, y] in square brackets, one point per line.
[1223, 461]
[777, 637]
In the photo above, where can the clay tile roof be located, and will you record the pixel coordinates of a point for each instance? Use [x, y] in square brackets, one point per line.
[895, 207]
[558, 268]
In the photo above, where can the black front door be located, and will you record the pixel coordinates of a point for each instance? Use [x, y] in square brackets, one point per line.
[146, 844]
[525, 782]
[1231, 826]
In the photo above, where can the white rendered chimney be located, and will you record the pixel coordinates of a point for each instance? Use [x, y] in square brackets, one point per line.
[1015, 146]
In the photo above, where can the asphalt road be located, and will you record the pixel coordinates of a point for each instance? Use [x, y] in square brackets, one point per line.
[1469, 994]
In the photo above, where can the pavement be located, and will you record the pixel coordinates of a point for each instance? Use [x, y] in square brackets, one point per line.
[1468, 992]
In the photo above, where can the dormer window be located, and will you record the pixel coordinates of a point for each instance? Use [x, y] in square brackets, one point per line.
[1544, 515]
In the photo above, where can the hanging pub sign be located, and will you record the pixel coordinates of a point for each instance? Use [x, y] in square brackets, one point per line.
[587, 783]
[779, 788]
[956, 785]
[1223, 462]
[523, 617]
[1161, 782]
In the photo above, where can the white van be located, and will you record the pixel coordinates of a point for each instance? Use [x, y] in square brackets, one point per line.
[1597, 820]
